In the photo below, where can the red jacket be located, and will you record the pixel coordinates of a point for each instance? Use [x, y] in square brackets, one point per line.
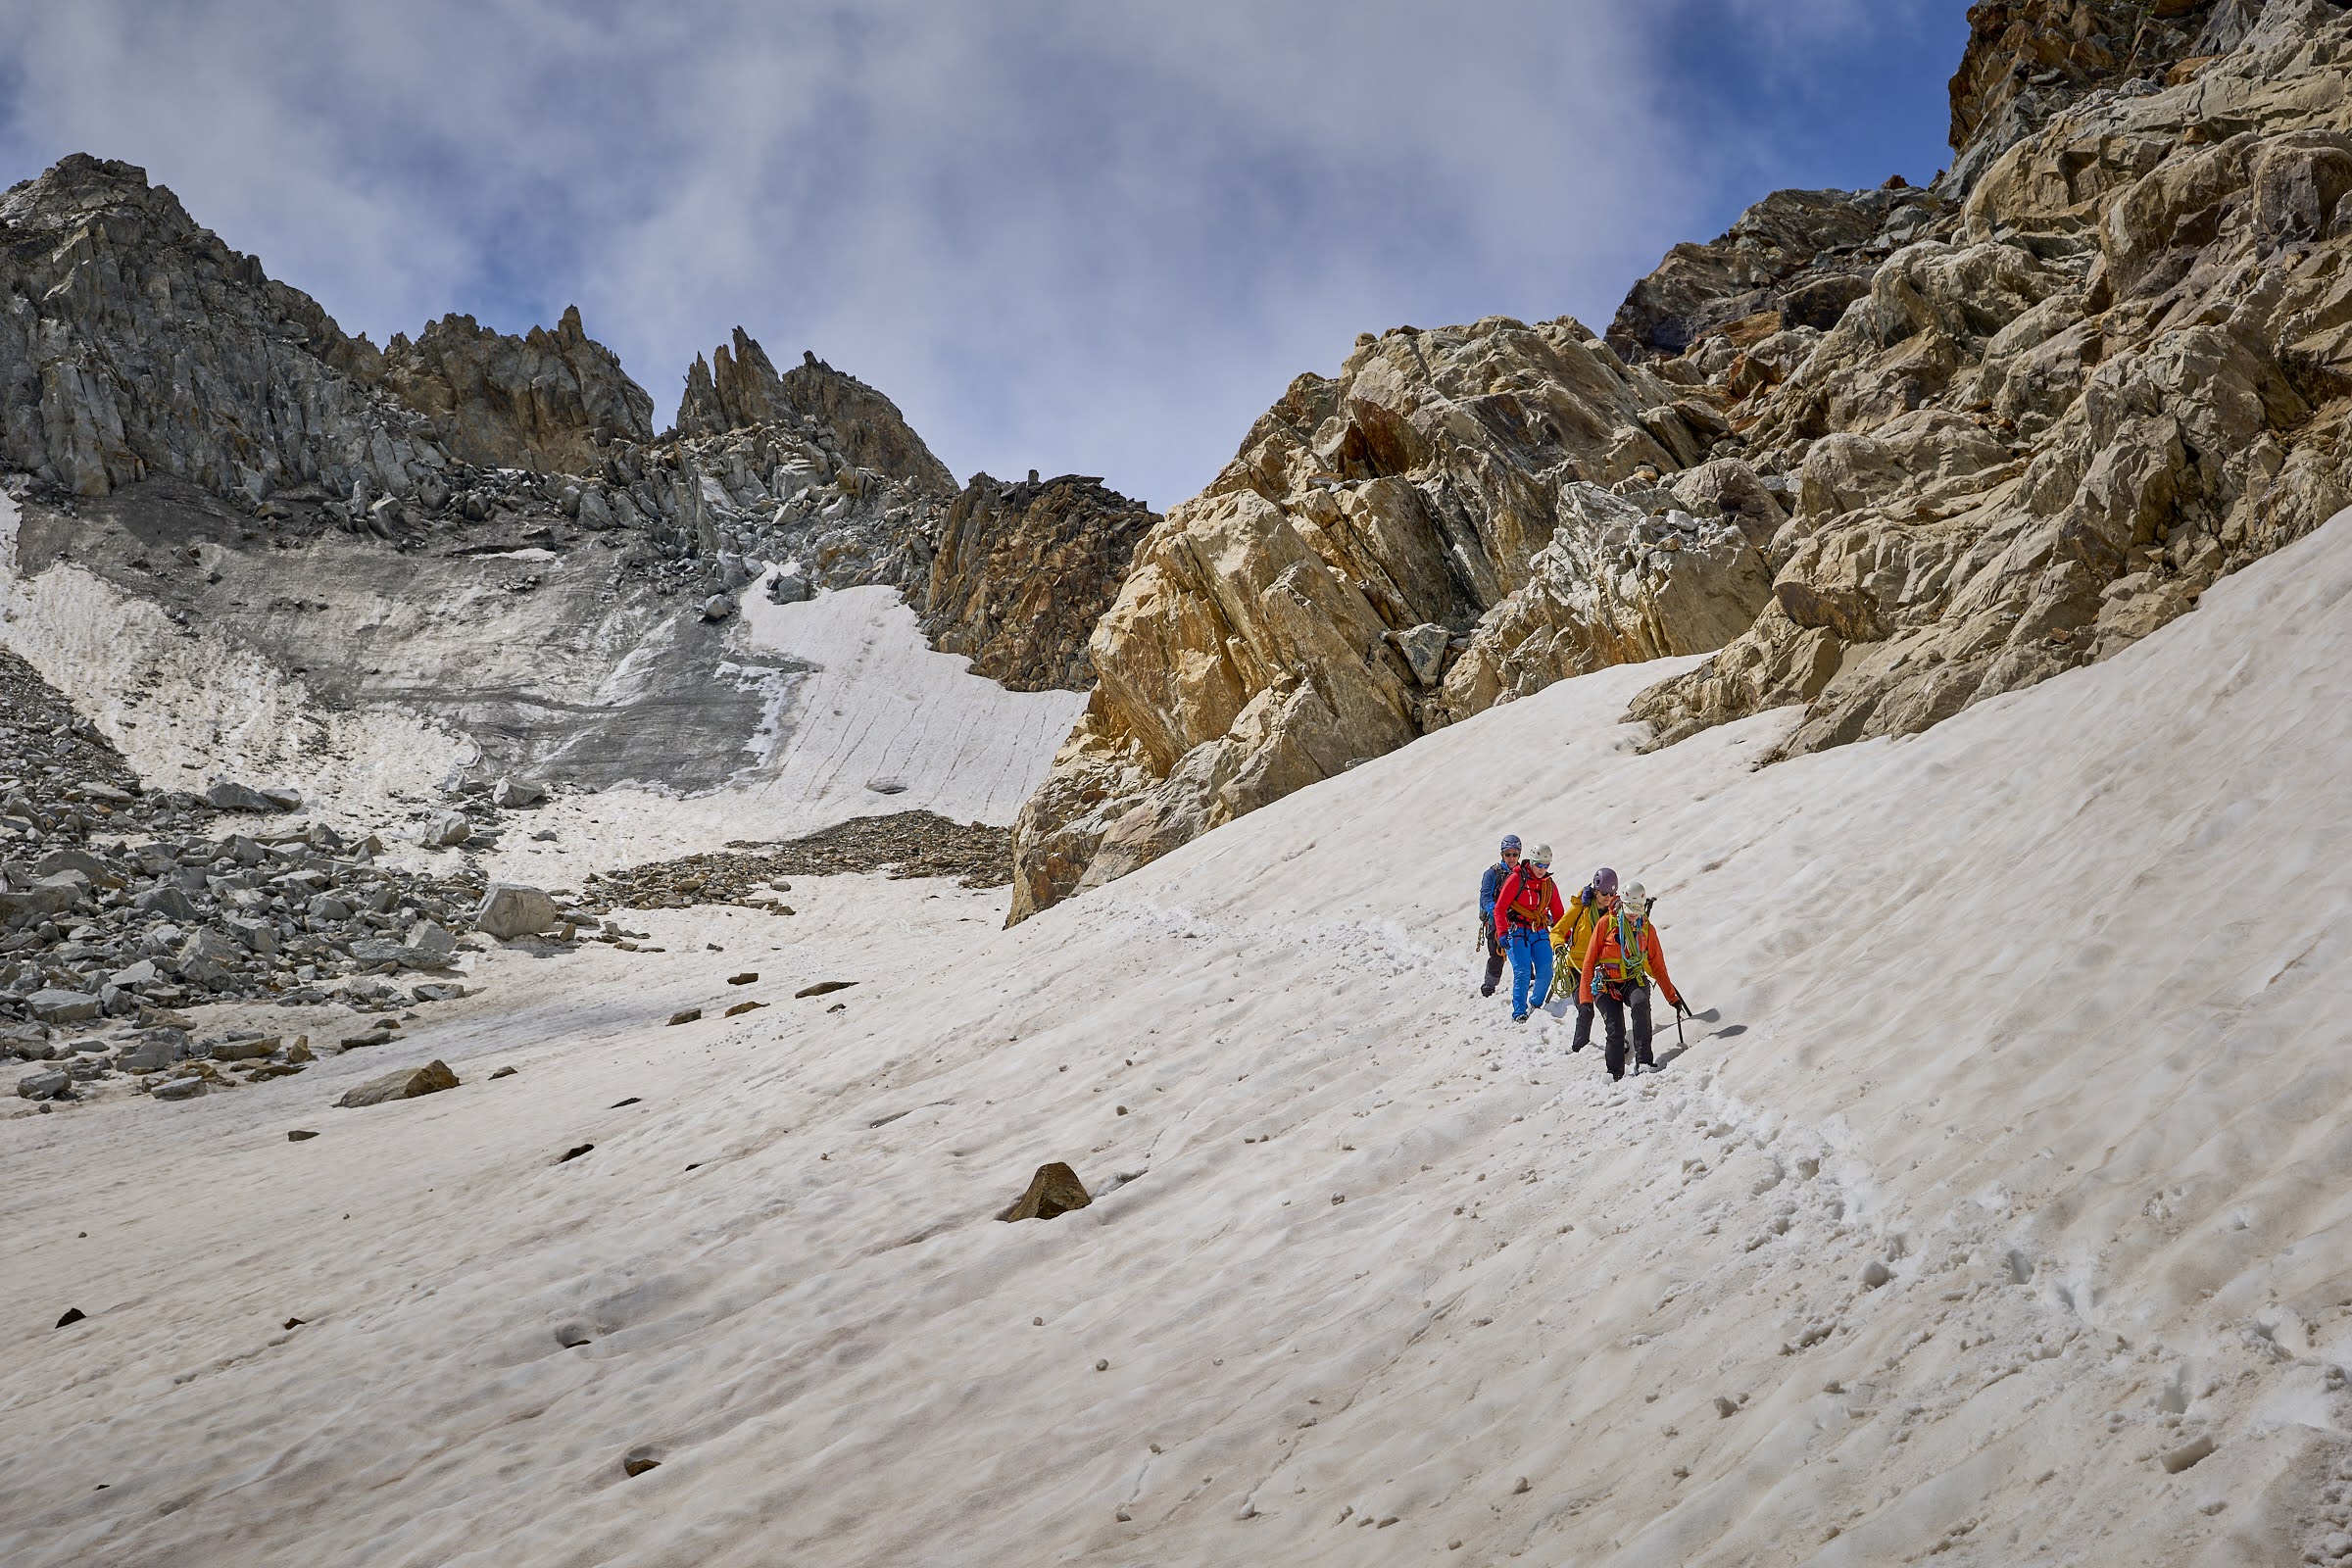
[1603, 949]
[1541, 907]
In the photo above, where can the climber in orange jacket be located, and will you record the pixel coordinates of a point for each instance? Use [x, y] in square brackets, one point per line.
[1620, 962]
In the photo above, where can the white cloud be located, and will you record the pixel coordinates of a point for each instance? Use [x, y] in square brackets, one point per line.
[1061, 234]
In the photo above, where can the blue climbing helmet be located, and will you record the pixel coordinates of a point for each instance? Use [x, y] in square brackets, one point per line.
[1511, 843]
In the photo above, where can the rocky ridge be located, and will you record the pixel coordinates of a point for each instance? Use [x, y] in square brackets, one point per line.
[1022, 572]
[137, 349]
[1460, 515]
[1966, 437]
[550, 402]
[2117, 374]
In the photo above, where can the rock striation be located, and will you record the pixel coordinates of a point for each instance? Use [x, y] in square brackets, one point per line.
[2118, 372]
[1460, 515]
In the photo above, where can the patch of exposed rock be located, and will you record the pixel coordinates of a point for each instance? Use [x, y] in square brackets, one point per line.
[1023, 571]
[749, 873]
[546, 401]
[2041, 437]
[1447, 501]
[2029, 60]
[1793, 261]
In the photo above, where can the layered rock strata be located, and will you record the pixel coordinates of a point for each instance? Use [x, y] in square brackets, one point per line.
[2122, 372]
[1392, 550]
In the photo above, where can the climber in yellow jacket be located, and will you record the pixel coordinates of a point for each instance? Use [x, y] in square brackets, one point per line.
[1571, 936]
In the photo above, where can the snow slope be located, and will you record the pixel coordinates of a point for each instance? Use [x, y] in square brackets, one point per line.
[846, 696]
[2039, 1011]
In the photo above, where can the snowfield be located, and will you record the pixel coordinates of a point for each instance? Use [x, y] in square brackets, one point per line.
[2039, 1016]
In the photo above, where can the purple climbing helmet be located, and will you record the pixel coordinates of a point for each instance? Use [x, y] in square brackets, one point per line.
[1604, 881]
[1511, 842]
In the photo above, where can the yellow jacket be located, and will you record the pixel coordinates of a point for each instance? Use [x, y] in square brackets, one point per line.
[1573, 932]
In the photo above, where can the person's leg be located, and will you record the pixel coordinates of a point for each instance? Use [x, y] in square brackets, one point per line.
[1494, 965]
[1637, 1001]
[1612, 1019]
[1523, 964]
[1541, 943]
[1584, 1012]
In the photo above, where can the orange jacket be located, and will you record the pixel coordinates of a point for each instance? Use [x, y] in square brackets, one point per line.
[1603, 950]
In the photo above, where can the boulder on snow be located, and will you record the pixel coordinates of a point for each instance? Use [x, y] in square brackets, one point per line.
[47, 1084]
[507, 793]
[787, 588]
[447, 829]
[406, 1083]
[1054, 1189]
[151, 1052]
[718, 607]
[510, 910]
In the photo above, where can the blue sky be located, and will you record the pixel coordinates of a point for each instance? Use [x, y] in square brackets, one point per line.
[1064, 235]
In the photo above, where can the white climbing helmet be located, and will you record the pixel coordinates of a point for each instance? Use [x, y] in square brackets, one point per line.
[1542, 857]
[1634, 898]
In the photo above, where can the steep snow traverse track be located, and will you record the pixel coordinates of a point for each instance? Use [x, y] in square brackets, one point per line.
[2002, 1220]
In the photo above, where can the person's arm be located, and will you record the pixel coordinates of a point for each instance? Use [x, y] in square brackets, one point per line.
[1502, 911]
[1657, 965]
[1584, 971]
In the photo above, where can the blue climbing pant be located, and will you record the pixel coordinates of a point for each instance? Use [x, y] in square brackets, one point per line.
[1530, 964]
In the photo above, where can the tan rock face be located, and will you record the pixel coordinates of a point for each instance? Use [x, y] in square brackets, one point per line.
[2046, 431]
[1447, 496]
[546, 401]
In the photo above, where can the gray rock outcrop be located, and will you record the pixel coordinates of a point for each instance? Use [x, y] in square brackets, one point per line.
[740, 388]
[549, 401]
[133, 342]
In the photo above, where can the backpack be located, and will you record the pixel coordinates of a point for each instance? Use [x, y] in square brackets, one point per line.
[1520, 888]
[1633, 951]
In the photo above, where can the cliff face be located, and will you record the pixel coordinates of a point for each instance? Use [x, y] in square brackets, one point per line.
[547, 401]
[134, 343]
[1459, 513]
[1023, 571]
[2119, 373]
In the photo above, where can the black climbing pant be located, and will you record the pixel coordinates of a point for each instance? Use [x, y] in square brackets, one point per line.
[1584, 1014]
[1612, 1018]
[1495, 962]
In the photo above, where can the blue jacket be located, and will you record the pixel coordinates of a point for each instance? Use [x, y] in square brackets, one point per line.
[1489, 888]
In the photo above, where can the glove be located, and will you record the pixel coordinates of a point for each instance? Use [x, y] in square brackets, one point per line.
[1684, 1008]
